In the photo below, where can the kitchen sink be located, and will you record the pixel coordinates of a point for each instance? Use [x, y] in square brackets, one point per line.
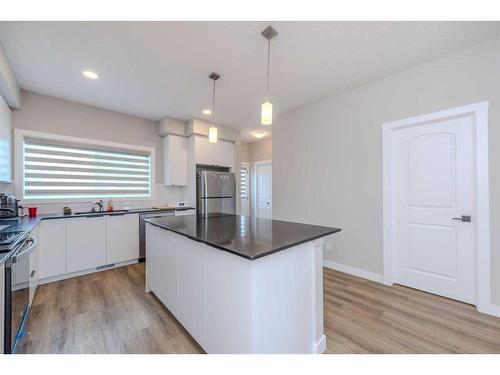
[98, 213]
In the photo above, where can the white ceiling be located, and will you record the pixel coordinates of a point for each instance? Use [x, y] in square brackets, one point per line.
[156, 69]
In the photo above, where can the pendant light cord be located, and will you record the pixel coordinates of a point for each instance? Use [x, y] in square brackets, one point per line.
[268, 63]
[213, 105]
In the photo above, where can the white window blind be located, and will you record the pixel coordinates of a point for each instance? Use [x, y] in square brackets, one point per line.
[244, 182]
[56, 171]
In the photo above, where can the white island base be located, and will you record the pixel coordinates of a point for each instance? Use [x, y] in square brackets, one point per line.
[230, 304]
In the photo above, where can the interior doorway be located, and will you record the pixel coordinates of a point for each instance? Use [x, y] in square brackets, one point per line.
[436, 204]
[263, 202]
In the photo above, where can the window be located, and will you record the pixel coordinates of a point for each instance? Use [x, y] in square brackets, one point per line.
[243, 182]
[62, 170]
[244, 189]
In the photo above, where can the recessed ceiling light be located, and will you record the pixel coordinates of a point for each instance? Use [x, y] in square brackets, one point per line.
[207, 112]
[259, 135]
[90, 74]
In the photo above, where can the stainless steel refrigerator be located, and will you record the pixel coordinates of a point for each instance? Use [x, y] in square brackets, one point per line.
[216, 192]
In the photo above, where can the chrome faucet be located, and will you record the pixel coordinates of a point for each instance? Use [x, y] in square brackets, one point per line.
[98, 203]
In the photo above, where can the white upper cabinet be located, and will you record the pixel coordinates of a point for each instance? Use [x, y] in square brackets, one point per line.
[175, 160]
[122, 238]
[5, 142]
[219, 153]
[85, 243]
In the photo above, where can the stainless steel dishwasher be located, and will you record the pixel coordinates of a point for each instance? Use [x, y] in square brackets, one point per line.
[142, 229]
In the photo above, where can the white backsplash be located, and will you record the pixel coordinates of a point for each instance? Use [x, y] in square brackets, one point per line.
[7, 188]
[165, 195]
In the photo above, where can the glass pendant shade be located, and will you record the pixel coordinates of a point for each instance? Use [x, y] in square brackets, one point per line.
[267, 113]
[212, 134]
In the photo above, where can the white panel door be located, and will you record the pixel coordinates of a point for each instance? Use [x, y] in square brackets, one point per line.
[434, 185]
[263, 193]
[85, 243]
[122, 238]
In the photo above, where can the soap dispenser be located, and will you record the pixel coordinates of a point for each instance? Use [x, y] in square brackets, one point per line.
[110, 204]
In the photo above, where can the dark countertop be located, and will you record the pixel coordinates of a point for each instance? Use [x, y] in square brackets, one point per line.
[111, 213]
[245, 236]
[27, 224]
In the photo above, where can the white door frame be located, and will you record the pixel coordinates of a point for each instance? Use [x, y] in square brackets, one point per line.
[482, 208]
[254, 184]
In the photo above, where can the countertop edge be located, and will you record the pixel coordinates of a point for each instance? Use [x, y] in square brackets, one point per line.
[270, 252]
[112, 213]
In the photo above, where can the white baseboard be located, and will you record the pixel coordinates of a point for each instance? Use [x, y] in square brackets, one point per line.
[490, 309]
[320, 346]
[354, 271]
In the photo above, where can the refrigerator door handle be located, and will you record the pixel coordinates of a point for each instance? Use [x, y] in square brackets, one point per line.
[205, 184]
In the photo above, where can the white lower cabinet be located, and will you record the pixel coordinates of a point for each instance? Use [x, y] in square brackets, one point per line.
[176, 274]
[206, 289]
[122, 238]
[52, 248]
[192, 288]
[163, 260]
[85, 243]
[80, 244]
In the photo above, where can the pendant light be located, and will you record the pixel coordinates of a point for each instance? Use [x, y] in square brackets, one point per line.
[267, 107]
[212, 131]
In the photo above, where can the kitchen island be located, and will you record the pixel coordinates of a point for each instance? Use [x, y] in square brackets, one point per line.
[240, 284]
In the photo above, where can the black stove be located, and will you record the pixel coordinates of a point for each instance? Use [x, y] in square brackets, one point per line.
[8, 238]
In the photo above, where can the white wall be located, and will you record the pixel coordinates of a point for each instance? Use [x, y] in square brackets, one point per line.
[51, 115]
[257, 151]
[261, 150]
[245, 152]
[327, 157]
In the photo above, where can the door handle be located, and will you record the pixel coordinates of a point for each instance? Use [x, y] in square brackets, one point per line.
[463, 218]
[32, 241]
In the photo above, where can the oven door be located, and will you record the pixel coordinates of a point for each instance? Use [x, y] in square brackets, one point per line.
[18, 297]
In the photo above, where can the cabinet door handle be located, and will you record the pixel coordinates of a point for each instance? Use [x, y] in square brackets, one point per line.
[33, 273]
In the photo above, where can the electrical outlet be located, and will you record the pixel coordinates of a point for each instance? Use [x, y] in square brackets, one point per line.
[328, 246]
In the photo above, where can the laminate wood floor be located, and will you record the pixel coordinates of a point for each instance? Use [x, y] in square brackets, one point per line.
[108, 312]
